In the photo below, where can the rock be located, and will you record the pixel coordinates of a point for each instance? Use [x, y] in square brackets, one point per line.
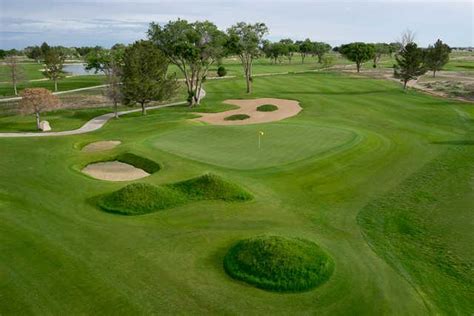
[44, 126]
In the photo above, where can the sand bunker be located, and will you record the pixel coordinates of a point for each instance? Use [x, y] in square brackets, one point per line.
[101, 145]
[114, 171]
[286, 108]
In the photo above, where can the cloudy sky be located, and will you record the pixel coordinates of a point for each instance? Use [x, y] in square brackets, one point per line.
[106, 22]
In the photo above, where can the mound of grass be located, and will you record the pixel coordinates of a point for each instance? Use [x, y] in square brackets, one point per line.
[267, 108]
[211, 187]
[237, 117]
[143, 198]
[146, 164]
[140, 198]
[278, 263]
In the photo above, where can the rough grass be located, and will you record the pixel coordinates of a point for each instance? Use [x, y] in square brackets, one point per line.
[267, 108]
[278, 263]
[143, 198]
[237, 117]
[140, 198]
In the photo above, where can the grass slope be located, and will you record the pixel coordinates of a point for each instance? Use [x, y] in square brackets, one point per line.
[236, 117]
[355, 141]
[279, 264]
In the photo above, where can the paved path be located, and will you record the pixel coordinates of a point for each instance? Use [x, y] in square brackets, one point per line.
[92, 125]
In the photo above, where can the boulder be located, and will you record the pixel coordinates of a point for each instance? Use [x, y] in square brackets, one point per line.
[44, 126]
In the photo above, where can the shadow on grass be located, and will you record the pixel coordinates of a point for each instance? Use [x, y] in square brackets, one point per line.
[455, 142]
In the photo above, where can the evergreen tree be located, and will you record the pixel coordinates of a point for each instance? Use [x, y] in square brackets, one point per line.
[144, 75]
[437, 56]
[410, 63]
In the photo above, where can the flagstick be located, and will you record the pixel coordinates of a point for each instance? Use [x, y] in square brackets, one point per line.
[259, 135]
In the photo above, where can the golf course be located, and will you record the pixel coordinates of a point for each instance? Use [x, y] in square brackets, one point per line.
[375, 182]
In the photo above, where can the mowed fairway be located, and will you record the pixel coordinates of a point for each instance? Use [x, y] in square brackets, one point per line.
[380, 179]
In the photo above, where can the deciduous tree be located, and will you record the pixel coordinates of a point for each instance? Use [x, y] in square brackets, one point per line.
[410, 63]
[145, 75]
[245, 40]
[37, 100]
[358, 52]
[192, 47]
[15, 71]
[319, 49]
[305, 48]
[54, 63]
[380, 49]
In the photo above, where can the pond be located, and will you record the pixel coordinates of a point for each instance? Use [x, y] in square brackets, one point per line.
[78, 70]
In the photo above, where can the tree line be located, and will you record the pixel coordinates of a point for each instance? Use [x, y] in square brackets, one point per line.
[138, 73]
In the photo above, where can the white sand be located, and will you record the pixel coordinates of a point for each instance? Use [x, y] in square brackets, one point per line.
[286, 108]
[101, 145]
[114, 171]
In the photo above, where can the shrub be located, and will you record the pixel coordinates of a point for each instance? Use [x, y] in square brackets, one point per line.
[267, 108]
[221, 71]
[237, 117]
[278, 263]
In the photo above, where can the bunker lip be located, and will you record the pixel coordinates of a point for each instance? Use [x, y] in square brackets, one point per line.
[114, 171]
[286, 109]
[101, 146]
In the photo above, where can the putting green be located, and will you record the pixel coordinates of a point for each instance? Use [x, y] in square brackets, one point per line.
[237, 147]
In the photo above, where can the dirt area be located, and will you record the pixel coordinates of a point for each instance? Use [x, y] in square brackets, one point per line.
[101, 145]
[286, 108]
[114, 171]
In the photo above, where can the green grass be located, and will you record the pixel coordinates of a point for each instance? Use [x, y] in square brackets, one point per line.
[359, 145]
[59, 120]
[143, 163]
[143, 198]
[267, 108]
[278, 263]
[69, 83]
[237, 117]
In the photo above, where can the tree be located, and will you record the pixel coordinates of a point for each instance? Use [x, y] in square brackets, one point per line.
[244, 41]
[289, 47]
[394, 47]
[145, 75]
[380, 49]
[437, 56]
[305, 48]
[34, 52]
[192, 47]
[319, 49]
[410, 63]
[358, 52]
[275, 50]
[110, 62]
[37, 100]
[3, 53]
[15, 71]
[406, 38]
[44, 49]
[54, 63]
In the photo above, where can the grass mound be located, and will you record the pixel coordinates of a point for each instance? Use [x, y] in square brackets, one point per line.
[267, 108]
[143, 198]
[140, 198]
[278, 263]
[211, 187]
[237, 117]
[140, 162]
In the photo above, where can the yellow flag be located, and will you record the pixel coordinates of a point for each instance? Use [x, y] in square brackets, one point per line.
[261, 133]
